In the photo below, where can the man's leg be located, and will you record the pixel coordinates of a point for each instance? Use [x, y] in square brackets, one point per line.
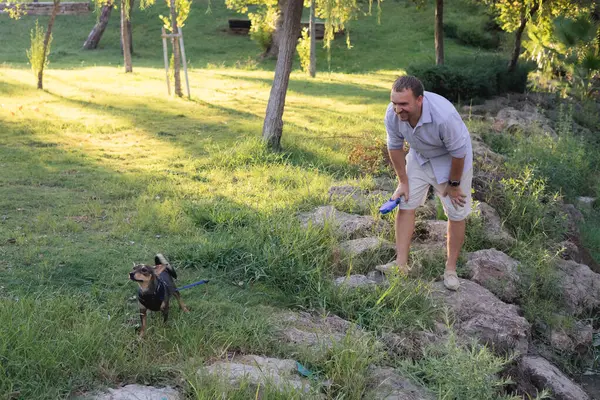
[405, 226]
[456, 238]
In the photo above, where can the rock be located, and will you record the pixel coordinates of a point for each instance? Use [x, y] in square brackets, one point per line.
[574, 218]
[377, 276]
[577, 339]
[411, 344]
[363, 253]
[544, 375]
[358, 198]
[496, 272]
[139, 392]
[427, 210]
[585, 203]
[569, 251]
[385, 184]
[387, 384]
[259, 371]
[561, 341]
[311, 331]
[493, 229]
[482, 154]
[580, 286]
[354, 281]
[488, 108]
[431, 231]
[527, 119]
[348, 226]
[481, 314]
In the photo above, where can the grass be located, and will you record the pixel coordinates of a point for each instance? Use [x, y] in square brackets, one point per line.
[102, 169]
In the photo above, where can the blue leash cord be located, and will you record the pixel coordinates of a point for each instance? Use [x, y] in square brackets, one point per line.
[192, 285]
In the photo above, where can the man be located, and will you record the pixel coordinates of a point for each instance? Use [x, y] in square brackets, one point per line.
[440, 155]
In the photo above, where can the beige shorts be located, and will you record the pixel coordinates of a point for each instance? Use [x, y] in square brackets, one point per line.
[420, 177]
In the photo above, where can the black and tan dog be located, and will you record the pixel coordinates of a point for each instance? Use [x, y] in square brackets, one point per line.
[156, 286]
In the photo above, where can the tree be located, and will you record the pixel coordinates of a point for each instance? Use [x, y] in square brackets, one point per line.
[273, 124]
[312, 69]
[439, 32]
[176, 50]
[125, 36]
[46, 48]
[96, 34]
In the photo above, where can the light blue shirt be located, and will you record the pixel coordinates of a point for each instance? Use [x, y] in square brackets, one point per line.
[439, 135]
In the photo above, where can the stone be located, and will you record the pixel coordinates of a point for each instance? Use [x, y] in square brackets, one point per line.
[493, 228]
[574, 218]
[363, 253]
[139, 392]
[354, 281]
[388, 384]
[427, 210]
[543, 375]
[580, 286]
[358, 198]
[527, 119]
[316, 332]
[495, 271]
[561, 341]
[578, 338]
[385, 183]
[585, 203]
[259, 371]
[377, 276]
[569, 251]
[349, 226]
[482, 315]
[411, 344]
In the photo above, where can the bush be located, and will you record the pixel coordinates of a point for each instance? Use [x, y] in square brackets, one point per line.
[35, 54]
[472, 78]
[470, 35]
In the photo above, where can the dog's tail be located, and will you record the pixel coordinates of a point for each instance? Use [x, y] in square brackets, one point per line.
[160, 259]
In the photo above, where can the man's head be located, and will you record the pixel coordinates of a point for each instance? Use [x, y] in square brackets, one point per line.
[407, 97]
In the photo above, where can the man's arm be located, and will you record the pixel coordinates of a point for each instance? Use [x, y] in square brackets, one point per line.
[398, 158]
[456, 169]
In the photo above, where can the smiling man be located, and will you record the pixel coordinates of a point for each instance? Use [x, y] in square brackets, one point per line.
[440, 155]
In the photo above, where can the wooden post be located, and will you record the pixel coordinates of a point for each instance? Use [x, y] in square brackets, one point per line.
[165, 51]
[187, 82]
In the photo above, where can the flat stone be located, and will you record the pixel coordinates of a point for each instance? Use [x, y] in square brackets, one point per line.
[377, 276]
[495, 271]
[354, 281]
[527, 119]
[580, 286]
[482, 315]
[544, 375]
[358, 198]
[260, 371]
[363, 253]
[306, 330]
[138, 392]
[388, 384]
[349, 226]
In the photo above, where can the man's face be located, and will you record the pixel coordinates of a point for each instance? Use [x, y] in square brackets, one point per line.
[406, 105]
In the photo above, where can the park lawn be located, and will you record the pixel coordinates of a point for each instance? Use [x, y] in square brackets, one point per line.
[102, 169]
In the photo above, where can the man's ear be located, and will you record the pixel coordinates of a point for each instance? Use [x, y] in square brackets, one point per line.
[420, 100]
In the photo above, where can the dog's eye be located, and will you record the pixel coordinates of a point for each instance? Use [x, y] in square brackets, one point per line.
[145, 270]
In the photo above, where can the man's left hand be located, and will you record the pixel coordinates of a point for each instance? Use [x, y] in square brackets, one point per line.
[457, 197]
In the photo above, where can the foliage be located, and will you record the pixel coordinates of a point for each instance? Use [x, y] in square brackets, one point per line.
[183, 8]
[35, 53]
[303, 50]
[472, 35]
[372, 158]
[567, 47]
[262, 27]
[471, 78]
[15, 9]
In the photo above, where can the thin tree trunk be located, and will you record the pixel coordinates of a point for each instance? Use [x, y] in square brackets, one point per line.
[176, 52]
[312, 69]
[40, 84]
[273, 50]
[129, 27]
[125, 37]
[273, 125]
[98, 30]
[512, 65]
[439, 32]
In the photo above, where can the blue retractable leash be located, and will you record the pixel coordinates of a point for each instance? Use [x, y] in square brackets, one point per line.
[192, 285]
[389, 206]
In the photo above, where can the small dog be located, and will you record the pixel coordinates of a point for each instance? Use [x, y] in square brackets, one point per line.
[156, 286]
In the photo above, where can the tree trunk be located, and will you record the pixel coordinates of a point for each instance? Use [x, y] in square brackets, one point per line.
[439, 32]
[273, 50]
[40, 84]
[176, 52]
[125, 37]
[512, 65]
[96, 33]
[312, 69]
[273, 125]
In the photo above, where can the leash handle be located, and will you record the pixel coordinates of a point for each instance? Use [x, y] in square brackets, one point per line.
[192, 285]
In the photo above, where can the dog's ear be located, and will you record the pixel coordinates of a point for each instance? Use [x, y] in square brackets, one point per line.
[133, 266]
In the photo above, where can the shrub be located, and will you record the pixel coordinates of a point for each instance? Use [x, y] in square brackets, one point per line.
[303, 50]
[472, 78]
[262, 26]
[35, 54]
[470, 35]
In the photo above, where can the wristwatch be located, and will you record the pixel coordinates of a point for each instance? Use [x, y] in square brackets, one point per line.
[454, 183]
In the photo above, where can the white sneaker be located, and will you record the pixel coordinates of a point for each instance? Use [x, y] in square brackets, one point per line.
[451, 280]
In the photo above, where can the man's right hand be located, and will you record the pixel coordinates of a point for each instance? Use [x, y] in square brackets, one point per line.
[401, 191]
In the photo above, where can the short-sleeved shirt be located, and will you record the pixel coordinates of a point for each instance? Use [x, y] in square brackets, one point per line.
[439, 135]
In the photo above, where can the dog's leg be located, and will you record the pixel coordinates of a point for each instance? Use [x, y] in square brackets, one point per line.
[181, 304]
[143, 312]
[164, 308]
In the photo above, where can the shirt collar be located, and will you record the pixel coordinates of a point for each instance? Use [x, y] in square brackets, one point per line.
[425, 112]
